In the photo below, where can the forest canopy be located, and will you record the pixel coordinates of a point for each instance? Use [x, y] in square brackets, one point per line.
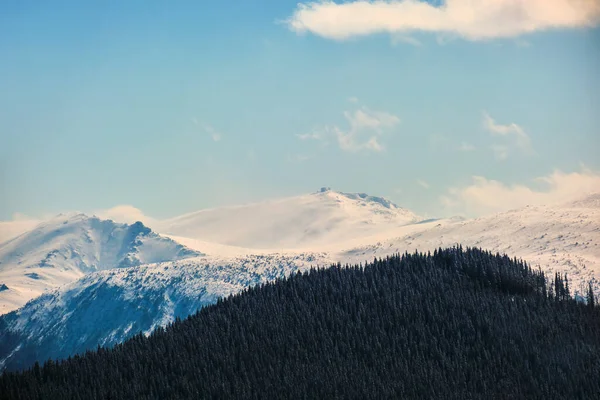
[457, 323]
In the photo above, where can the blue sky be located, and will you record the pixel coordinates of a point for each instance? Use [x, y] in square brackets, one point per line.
[177, 107]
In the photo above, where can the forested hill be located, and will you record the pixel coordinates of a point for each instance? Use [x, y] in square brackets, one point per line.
[454, 324]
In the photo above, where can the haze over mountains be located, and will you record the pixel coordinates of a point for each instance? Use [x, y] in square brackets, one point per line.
[305, 221]
[108, 281]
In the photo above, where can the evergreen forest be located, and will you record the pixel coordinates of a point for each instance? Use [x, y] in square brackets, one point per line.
[453, 324]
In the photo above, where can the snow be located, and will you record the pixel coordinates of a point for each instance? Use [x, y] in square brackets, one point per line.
[291, 223]
[67, 247]
[562, 238]
[558, 237]
[109, 306]
[106, 281]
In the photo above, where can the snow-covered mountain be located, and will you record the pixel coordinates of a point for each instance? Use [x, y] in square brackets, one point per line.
[324, 217]
[109, 306]
[67, 247]
[563, 238]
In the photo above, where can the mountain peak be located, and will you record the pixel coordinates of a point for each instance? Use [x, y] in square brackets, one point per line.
[300, 222]
[360, 197]
[372, 199]
[70, 215]
[70, 245]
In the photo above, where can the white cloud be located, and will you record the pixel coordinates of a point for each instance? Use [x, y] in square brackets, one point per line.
[365, 128]
[423, 184]
[512, 132]
[125, 214]
[495, 129]
[348, 142]
[470, 19]
[353, 99]
[484, 196]
[363, 118]
[20, 217]
[20, 223]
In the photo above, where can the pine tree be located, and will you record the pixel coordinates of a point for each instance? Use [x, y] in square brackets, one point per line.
[591, 302]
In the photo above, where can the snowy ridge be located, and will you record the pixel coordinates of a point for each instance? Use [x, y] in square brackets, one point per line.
[563, 238]
[291, 223]
[67, 247]
[105, 307]
[109, 306]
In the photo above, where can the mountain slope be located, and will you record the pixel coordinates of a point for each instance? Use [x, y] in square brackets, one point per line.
[291, 223]
[67, 247]
[106, 307]
[562, 238]
[459, 324]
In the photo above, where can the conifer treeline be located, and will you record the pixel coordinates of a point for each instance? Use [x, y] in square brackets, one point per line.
[452, 324]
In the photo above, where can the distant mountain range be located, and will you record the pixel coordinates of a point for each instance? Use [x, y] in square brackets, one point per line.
[96, 282]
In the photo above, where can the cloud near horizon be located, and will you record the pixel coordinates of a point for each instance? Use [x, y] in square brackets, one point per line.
[469, 19]
[19, 224]
[125, 214]
[485, 196]
[481, 197]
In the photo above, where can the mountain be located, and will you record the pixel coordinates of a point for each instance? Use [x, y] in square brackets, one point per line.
[106, 307]
[324, 217]
[67, 247]
[561, 238]
[456, 324]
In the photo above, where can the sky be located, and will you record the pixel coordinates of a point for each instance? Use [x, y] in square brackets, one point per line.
[448, 107]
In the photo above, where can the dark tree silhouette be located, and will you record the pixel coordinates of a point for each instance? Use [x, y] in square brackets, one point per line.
[455, 324]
